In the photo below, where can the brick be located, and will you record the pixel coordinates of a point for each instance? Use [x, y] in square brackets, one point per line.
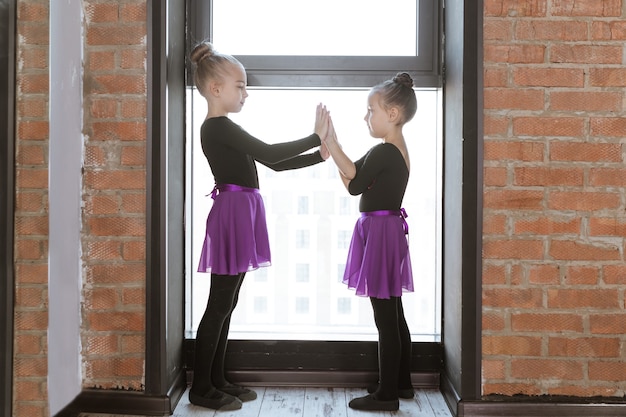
[133, 156]
[614, 274]
[583, 298]
[608, 31]
[607, 226]
[128, 321]
[133, 343]
[608, 323]
[586, 54]
[548, 126]
[495, 125]
[509, 98]
[134, 203]
[493, 321]
[548, 77]
[595, 101]
[514, 54]
[133, 12]
[544, 274]
[513, 199]
[497, 29]
[510, 389]
[116, 84]
[493, 369]
[584, 151]
[116, 226]
[608, 126]
[31, 273]
[101, 60]
[116, 35]
[103, 250]
[133, 108]
[547, 226]
[31, 225]
[32, 12]
[101, 298]
[106, 344]
[494, 176]
[31, 297]
[551, 30]
[31, 107]
[28, 344]
[607, 177]
[33, 130]
[607, 77]
[607, 370]
[115, 180]
[527, 151]
[583, 200]
[513, 249]
[583, 391]
[102, 204]
[33, 58]
[582, 275]
[30, 249]
[512, 297]
[103, 108]
[133, 59]
[546, 321]
[548, 176]
[511, 345]
[595, 8]
[34, 178]
[101, 12]
[546, 369]
[126, 131]
[584, 347]
[95, 156]
[494, 225]
[31, 155]
[33, 84]
[134, 251]
[494, 76]
[104, 274]
[581, 251]
[515, 8]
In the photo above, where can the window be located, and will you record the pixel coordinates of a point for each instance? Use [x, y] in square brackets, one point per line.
[310, 216]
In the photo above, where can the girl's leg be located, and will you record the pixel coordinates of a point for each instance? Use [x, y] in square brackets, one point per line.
[222, 296]
[389, 346]
[217, 372]
[404, 375]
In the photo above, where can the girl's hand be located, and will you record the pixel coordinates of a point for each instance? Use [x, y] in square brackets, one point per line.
[321, 121]
[324, 151]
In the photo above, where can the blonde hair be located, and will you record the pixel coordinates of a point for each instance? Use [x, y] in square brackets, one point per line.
[398, 91]
[209, 64]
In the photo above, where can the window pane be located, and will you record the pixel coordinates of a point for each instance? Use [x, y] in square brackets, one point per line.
[275, 303]
[288, 27]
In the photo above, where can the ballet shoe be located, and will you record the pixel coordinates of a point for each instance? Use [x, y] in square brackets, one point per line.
[244, 394]
[215, 400]
[370, 403]
[405, 393]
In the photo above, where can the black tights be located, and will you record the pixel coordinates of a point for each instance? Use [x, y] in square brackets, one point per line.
[394, 347]
[212, 336]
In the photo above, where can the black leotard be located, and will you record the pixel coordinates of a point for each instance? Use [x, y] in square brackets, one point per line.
[231, 152]
[381, 178]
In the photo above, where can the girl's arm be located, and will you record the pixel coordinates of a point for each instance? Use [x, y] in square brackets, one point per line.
[347, 169]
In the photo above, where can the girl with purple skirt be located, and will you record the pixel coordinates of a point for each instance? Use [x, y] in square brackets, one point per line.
[236, 232]
[378, 264]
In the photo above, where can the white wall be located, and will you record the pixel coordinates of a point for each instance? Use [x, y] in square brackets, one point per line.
[66, 142]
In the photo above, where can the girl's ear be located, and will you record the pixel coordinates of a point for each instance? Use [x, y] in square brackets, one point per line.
[214, 88]
[393, 114]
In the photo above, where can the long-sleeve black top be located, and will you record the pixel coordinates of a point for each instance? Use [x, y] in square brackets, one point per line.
[232, 152]
[381, 178]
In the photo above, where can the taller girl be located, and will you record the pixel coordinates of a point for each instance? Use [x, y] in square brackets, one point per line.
[236, 232]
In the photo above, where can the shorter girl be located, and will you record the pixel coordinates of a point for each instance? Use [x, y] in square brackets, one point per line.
[378, 264]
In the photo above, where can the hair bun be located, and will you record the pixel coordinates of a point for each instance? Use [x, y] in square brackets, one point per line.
[404, 79]
[201, 51]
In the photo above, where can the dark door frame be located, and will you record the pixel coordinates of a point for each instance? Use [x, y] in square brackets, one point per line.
[7, 198]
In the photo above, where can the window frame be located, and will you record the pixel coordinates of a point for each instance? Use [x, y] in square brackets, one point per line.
[333, 71]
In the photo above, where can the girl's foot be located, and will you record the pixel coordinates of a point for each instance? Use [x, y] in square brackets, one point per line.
[370, 403]
[244, 394]
[215, 400]
[406, 393]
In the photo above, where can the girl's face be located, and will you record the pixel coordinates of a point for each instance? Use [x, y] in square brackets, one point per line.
[233, 91]
[376, 117]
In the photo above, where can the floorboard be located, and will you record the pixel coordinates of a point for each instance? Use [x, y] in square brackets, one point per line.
[313, 402]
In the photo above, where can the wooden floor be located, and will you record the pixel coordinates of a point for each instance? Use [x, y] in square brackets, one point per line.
[319, 402]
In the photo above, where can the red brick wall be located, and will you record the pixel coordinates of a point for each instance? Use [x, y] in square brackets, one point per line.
[554, 201]
[30, 367]
[113, 192]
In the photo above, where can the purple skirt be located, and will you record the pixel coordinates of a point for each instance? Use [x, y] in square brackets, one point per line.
[379, 264]
[236, 237]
